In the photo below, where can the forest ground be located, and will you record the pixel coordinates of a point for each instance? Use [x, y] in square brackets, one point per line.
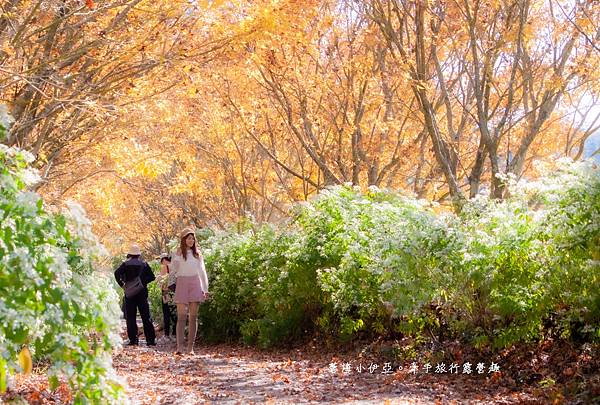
[237, 374]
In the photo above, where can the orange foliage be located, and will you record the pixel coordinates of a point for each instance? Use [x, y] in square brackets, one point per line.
[249, 106]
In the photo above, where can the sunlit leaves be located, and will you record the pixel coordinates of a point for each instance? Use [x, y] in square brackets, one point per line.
[25, 360]
[254, 105]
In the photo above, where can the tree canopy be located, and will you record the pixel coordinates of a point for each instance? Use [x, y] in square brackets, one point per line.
[154, 113]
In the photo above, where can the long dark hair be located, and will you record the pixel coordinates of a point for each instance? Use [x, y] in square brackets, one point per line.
[183, 247]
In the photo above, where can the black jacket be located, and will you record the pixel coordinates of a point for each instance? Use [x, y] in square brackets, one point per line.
[133, 267]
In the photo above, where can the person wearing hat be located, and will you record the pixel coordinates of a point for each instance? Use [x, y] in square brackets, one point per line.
[191, 288]
[167, 284]
[134, 275]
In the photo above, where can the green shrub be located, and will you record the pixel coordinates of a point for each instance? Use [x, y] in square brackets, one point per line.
[354, 264]
[287, 291]
[52, 300]
[155, 295]
[232, 261]
[261, 289]
[529, 261]
[502, 279]
[569, 228]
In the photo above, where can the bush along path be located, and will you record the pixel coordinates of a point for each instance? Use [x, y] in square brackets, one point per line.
[56, 311]
[381, 264]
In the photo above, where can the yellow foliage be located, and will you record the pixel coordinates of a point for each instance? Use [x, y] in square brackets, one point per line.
[259, 99]
[25, 360]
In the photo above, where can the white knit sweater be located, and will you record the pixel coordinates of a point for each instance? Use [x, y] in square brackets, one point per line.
[190, 267]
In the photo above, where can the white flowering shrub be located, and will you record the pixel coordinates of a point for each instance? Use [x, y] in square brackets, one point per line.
[288, 296]
[370, 250]
[325, 271]
[500, 287]
[529, 264]
[242, 267]
[379, 262]
[50, 300]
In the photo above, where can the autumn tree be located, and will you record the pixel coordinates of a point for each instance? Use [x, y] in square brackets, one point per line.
[66, 66]
[239, 109]
[500, 67]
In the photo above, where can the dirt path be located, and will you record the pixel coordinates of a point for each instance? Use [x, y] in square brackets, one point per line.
[230, 374]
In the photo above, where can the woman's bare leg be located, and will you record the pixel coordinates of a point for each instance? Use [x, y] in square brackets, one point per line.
[181, 319]
[193, 325]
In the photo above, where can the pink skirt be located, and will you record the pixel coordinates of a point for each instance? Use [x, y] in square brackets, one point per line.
[188, 289]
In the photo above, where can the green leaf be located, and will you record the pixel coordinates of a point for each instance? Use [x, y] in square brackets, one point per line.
[53, 382]
[3, 376]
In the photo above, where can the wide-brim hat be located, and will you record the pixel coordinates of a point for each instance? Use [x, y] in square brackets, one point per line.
[186, 231]
[134, 250]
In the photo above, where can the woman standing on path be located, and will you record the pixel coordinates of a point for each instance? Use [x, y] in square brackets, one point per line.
[191, 289]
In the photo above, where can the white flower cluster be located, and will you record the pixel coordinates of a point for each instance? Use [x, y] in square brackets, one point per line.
[6, 120]
[12, 151]
[45, 302]
[81, 227]
[28, 201]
